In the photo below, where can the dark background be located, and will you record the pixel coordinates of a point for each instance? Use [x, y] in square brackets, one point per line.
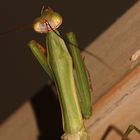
[20, 75]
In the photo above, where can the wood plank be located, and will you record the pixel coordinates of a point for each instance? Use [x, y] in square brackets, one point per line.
[115, 47]
[20, 126]
[120, 107]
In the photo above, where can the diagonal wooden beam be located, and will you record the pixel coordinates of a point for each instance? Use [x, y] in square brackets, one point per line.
[115, 47]
[116, 91]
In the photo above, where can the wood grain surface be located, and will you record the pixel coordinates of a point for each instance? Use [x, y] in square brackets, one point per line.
[20, 126]
[115, 47]
[119, 108]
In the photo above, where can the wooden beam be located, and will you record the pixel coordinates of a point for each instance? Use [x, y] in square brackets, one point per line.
[115, 47]
[20, 126]
[120, 107]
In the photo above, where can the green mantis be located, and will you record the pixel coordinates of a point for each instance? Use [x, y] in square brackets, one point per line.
[68, 72]
[59, 65]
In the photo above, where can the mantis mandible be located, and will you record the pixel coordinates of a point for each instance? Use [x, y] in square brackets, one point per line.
[72, 84]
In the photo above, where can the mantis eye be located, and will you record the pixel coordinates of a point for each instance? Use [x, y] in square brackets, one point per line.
[40, 27]
[55, 21]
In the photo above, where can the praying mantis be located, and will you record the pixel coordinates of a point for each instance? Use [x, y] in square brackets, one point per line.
[69, 74]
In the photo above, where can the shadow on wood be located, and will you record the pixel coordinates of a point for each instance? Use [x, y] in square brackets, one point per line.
[47, 113]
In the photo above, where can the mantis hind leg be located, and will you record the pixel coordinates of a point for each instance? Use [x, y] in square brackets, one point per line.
[124, 136]
[129, 130]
